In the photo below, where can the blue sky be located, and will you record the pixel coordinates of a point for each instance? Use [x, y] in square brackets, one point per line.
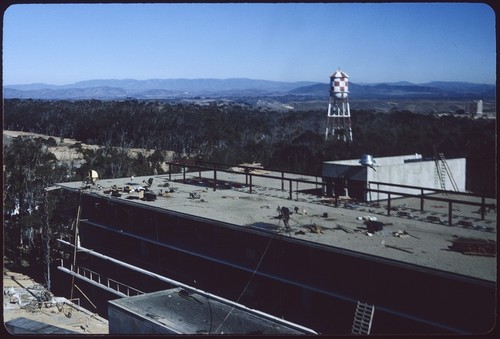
[377, 42]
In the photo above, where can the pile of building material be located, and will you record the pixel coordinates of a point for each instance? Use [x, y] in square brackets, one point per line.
[30, 308]
[474, 246]
[254, 168]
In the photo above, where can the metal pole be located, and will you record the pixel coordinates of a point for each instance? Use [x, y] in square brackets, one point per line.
[389, 204]
[46, 235]
[45, 238]
[215, 179]
[77, 222]
[78, 288]
[421, 199]
[483, 208]
[450, 209]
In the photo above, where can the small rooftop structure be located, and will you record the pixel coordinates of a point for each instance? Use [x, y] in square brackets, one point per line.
[177, 311]
[351, 177]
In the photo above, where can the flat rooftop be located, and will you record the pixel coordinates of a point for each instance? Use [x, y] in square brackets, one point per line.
[182, 312]
[409, 235]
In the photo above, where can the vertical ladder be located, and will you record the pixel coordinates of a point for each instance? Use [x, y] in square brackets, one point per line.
[442, 172]
[363, 318]
[447, 169]
[439, 175]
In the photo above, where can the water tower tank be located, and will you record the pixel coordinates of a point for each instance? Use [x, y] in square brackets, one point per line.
[340, 84]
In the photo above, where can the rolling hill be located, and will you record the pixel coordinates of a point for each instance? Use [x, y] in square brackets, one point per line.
[242, 87]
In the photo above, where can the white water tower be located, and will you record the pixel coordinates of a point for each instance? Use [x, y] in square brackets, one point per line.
[338, 122]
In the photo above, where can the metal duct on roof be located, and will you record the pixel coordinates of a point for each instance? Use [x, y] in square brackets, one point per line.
[367, 160]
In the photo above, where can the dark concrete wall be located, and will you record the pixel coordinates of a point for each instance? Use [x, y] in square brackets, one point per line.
[310, 284]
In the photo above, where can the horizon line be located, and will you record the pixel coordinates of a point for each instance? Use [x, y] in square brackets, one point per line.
[245, 78]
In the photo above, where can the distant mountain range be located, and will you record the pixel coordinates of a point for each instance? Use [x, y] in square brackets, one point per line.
[242, 87]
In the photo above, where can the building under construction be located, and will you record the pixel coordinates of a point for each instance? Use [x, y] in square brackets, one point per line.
[272, 242]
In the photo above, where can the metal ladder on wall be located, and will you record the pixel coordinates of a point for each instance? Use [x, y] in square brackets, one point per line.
[446, 169]
[442, 169]
[439, 175]
[363, 318]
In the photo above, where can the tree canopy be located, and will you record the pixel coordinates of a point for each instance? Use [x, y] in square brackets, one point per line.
[235, 133]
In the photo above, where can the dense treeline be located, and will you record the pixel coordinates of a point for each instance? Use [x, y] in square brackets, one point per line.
[233, 133]
[29, 170]
[228, 133]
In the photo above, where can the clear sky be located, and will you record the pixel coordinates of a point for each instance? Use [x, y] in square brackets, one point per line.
[377, 42]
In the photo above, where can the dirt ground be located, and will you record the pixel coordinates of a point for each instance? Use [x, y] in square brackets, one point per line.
[65, 153]
[18, 296]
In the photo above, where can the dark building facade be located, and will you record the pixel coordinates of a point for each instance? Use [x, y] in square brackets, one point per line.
[308, 283]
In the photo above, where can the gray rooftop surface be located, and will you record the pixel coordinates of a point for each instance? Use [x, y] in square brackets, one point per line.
[423, 243]
[192, 313]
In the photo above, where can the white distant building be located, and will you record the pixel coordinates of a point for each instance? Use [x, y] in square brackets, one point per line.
[351, 177]
[475, 107]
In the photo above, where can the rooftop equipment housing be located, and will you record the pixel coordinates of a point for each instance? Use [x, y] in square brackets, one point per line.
[411, 169]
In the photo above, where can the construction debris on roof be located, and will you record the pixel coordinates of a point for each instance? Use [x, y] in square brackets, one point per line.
[255, 168]
[474, 246]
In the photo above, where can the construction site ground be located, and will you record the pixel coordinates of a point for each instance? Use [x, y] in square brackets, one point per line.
[22, 314]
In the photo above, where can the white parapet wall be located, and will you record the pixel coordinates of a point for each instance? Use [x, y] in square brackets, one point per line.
[411, 170]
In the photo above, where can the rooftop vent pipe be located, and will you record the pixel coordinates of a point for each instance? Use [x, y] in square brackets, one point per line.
[367, 160]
